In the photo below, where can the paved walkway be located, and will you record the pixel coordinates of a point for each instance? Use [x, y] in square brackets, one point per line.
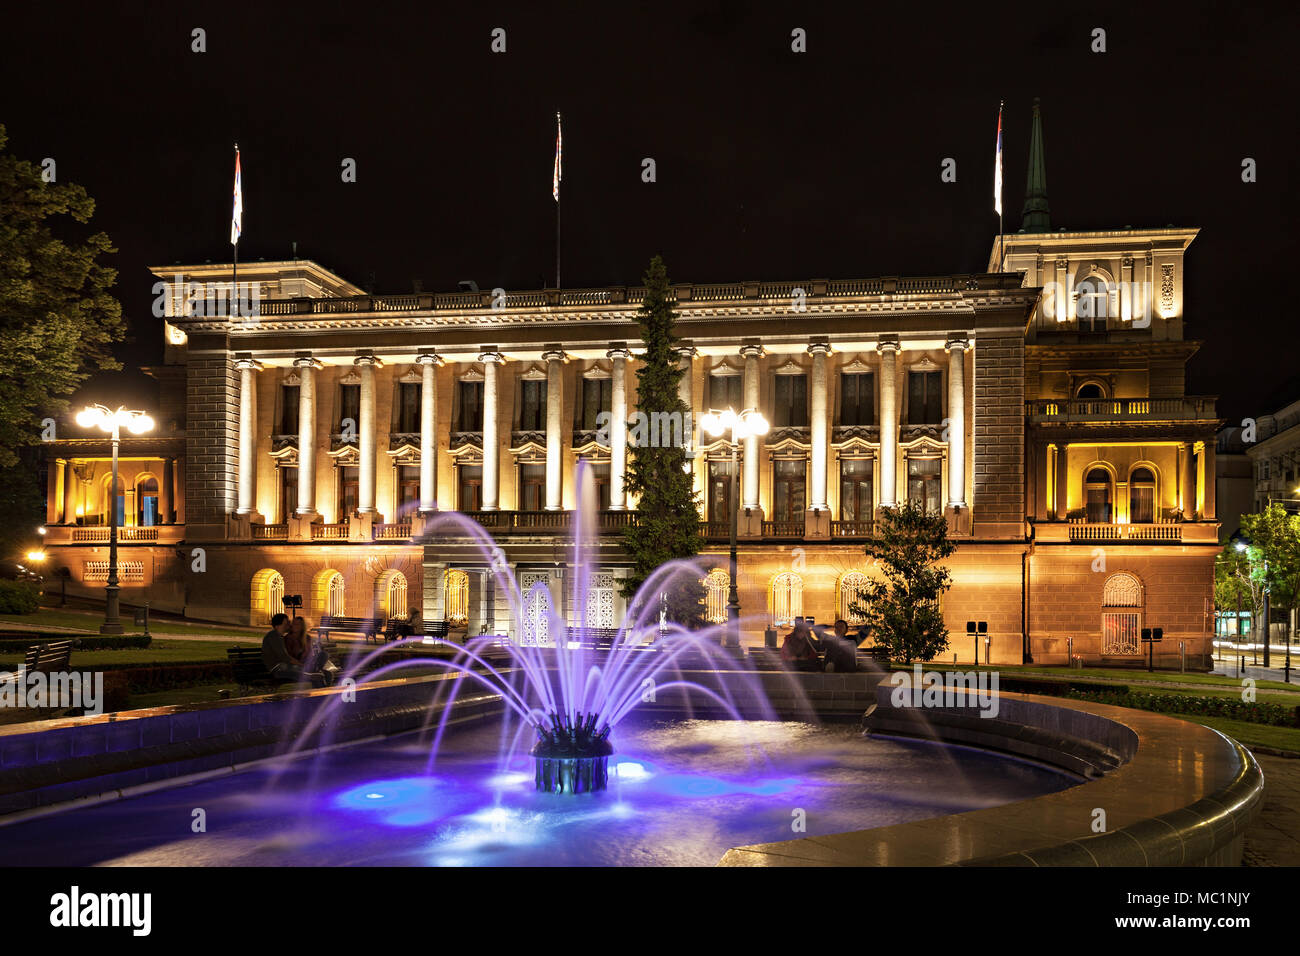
[1274, 840]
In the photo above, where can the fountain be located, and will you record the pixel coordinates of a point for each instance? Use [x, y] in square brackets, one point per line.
[572, 758]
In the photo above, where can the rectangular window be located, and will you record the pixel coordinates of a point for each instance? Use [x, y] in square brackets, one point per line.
[726, 391]
[719, 492]
[408, 407]
[532, 487]
[787, 489]
[1121, 632]
[857, 399]
[790, 401]
[532, 405]
[597, 397]
[924, 401]
[600, 480]
[470, 396]
[856, 503]
[350, 407]
[288, 493]
[408, 490]
[923, 483]
[1142, 504]
[288, 410]
[349, 491]
[470, 492]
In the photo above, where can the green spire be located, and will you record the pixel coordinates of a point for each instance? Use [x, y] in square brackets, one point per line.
[1036, 216]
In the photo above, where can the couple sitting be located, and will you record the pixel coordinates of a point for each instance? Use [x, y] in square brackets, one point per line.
[802, 649]
[291, 656]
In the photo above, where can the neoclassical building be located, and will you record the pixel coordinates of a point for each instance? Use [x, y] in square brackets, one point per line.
[311, 448]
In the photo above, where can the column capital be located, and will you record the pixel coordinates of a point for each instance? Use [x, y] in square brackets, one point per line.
[554, 353]
[243, 362]
[429, 357]
[956, 343]
[619, 351]
[751, 350]
[306, 361]
[822, 348]
[490, 356]
[888, 343]
[368, 359]
[685, 350]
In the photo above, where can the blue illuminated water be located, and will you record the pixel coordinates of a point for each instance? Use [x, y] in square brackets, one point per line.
[681, 792]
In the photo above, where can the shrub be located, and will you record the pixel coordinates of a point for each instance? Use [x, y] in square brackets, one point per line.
[18, 597]
[1257, 712]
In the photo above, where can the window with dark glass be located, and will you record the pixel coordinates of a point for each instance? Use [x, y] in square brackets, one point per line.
[470, 404]
[787, 489]
[350, 408]
[1096, 496]
[532, 405]
[147, 503]
[1092, 304]
[470, 491]
[532, 487]
[719, 491]
[597, 397]
[924, 398]
[408, 407]
[600, 483]
[408, 489]
[288, 410]
[856, 503]
[923, 480]
[857, 399]
[288, 493]
[726, 391]
[1142, 496]
[349, 491]
[1089, 391]
[790, 401]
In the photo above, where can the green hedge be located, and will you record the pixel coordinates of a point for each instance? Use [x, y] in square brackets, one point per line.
[84, 642]
[1276, 715]
[1056, 687]
[18, 597]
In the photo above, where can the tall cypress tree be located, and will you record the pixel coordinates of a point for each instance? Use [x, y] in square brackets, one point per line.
[668, 526]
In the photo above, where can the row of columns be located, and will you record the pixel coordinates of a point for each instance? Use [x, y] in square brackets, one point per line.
[888, 349]
[63, 480]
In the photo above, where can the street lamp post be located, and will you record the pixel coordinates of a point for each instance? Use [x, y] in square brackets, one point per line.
[108, 420]
[741, 425]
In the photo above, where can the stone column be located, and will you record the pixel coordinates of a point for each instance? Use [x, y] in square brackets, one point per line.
[686, 392]
[618, 428]
[306, 366]
[1049, 482]
[165, 493]
[749, 494]
[179, 497]
[70, 483]
[247, 497]
[819, 426]
[554, 359]
[1063, 482]
[888, 350]
[1189, 481]
[428, 362]
[366, 442]
[490, 358]
[956, 349]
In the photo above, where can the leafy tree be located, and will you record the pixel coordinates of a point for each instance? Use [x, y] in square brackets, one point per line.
[1273, 553]
[902, 611]
[57, 318]
[1234, 586]
[668, 528]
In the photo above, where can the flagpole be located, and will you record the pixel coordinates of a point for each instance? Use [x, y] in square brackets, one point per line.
[234, 269]
[1002, 253]
[559, 176]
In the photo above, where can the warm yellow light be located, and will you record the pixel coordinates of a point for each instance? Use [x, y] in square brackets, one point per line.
[90, 417]
[35, 555]
[139, 423]
[80, 511]
[41, 530]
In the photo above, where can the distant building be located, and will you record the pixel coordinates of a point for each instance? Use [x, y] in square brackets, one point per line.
[1039, 406]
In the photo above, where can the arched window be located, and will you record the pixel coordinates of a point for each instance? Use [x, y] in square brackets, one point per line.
[1092, 303]
[266, 596]
[787, 598]
[146, 501]
[716, 585]
[1121, 615]
[1097, 496]
[853, 592]
[456, 589]
[1091, 390]
[390, 594]
[327, 593]
[114, 500]
[1142, 496]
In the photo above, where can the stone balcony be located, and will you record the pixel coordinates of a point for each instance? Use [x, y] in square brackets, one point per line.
[98, 534]
[1162, 532]
[1118, 410]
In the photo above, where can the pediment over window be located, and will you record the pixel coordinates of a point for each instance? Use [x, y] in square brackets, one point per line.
[856, 367]
[352, 377]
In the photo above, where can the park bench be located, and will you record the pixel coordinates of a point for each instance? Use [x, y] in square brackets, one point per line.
[369, 627]
[46, 658]
[248, 670]
[393, 630]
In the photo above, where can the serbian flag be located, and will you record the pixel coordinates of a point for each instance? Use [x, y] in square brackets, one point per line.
[237, 215]
[555, 177]
[997, 170]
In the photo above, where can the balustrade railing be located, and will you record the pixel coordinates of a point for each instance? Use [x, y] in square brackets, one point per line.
[1081, 530]
[101, 534]
[390, 531]
[784, 528]
[1119, 409]
[270, 532]
[330, 532]
[852, 528]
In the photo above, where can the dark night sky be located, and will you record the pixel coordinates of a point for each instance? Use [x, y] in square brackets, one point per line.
[771, 165]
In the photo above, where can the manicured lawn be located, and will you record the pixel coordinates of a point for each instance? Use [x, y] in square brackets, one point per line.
[1252, 735]
[160, 651]
[89, 622]
[1133, 678]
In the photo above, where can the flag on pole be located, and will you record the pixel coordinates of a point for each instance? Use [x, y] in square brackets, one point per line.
[997, 174]
[237, 215]
[555, 177]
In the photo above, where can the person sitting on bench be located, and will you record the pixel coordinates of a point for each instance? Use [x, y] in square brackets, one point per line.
[798, 648]
[277, 660]
[307, 653]
[841, 652]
